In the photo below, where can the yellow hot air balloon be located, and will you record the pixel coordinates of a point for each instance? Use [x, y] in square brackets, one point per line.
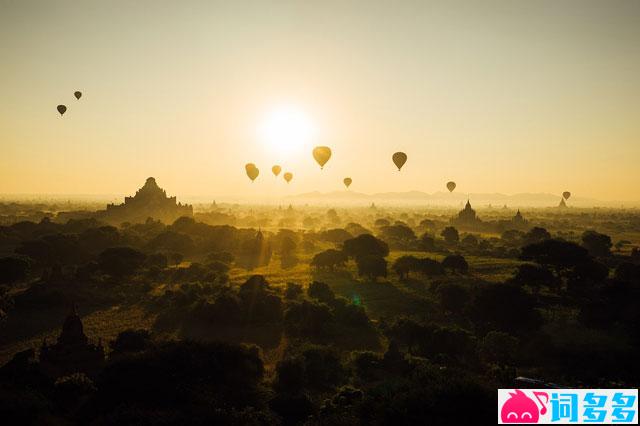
[451, 186]
[252, 171]
[566, 195]
[77, 94]
[322, 155]
[61, 109]
[276, 170]
[399, 158]
[347, 181]
[288, 176]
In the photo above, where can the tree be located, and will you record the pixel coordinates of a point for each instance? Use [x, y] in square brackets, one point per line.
[558, 254]
[430, 267]
[372, 266]
[512, 237]
[337, 235]
[120, 261]
[287, 252]
[13, 269]
[536, 235]
[404, 265]
[453, 297]
[450, 235]
[456, 263]
[505, 307]
[598, 245]
[499, 347]
[329, 259]
[381, 222]
[397, 234]
[535, 276]
[470, 240]
[365, 245]
[129, 341]
[321, 292]
[427, 242]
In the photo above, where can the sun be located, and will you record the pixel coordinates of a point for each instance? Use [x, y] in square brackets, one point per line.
[286, 130]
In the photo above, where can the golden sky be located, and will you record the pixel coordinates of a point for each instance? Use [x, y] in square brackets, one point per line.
[500, 96]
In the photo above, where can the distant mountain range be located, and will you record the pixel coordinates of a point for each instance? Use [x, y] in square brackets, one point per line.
[452, 199]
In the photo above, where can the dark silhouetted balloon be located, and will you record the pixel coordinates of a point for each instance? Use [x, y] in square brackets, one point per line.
[252, 171]
[322, 155]
[61, 109]
[566, 195]
[77, 94]
[451, 186]
[347, 181]
[276, 170]
[399, 158]
[288, 176]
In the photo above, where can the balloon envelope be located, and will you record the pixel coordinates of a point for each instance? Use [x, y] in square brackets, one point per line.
[288, 176]
[61, 109]
[249, 166]
[321, 154]
[77, 94]
[253, 173]
[276, 170]
[399, 158]
[566, 195]
[347, 181]
[451, 186]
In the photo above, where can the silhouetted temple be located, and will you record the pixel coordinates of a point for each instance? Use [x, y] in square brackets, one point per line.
[466, 217]
[72, 352]
[149, 201]
[518, 219]
[562, 204]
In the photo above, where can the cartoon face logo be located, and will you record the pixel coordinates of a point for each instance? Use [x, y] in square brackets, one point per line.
[519, 408]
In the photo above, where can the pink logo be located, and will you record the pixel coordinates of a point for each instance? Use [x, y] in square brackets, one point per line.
[519, 408]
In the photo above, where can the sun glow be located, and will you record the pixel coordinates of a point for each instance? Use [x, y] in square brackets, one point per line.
[286, 130]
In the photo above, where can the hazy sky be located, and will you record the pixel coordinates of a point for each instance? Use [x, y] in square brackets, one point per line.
[501, 96]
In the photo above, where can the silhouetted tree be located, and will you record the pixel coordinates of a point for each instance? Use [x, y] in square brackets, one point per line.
[456, 263]
[598, 245]
[337, 235]
[321, 292]
[13, 269]
[453, 297]
[427, 242]
[329, 259]
[365, 245]
[404, 265]
[499, 347]
[536, 235]
[450, 235]
[535, 276]
[372, 266]
[120, 261]
[505, 307]
[558, 254]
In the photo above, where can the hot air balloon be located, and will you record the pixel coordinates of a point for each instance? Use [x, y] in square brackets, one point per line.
[322, 155]
[288, 176]
[252, 171]
[347, 181]
[451, 186]
[276, 170]
[566, 195]
[61, 109]
[399, 158]
[77, 94]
